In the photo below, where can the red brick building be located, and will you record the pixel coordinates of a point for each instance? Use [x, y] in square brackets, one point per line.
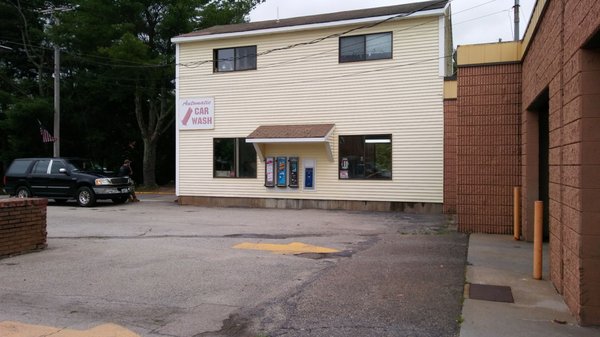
[527, 114]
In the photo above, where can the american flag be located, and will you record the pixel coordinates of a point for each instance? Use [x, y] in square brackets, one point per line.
[46, 136]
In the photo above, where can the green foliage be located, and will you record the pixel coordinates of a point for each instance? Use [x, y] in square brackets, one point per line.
[128, 47]
[117, 75]
[20, 125]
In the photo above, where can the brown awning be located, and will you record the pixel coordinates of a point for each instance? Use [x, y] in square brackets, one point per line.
[299, 133]
[290, 133]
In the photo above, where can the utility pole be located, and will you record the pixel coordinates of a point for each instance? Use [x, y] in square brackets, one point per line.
[56, 98]
[516, 9]
[52, 11]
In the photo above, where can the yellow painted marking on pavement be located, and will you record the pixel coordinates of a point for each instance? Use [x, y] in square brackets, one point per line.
[16, 329]
[290, 248]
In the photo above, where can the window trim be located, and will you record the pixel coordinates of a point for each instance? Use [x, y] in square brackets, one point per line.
[364, 36]
[236, 161]
[364, 138]
[235, 51]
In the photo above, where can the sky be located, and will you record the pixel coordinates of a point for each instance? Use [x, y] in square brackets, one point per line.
[474, 21]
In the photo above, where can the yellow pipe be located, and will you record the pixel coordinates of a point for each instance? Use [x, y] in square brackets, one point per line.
[517, 213]
[537, 239]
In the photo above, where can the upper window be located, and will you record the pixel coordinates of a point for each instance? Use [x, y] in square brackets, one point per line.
[235, 59]
[365, 157]
[41, 167]
[19, 166]
[366, 47]
[56, 166]
[234, 158]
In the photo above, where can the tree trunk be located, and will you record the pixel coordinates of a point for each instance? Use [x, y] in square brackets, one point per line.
[149, 163]
[153, 120]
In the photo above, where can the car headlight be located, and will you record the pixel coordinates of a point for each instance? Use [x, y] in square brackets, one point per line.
[103, 181]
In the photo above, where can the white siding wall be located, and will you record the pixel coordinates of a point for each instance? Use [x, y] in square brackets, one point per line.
[307, 84]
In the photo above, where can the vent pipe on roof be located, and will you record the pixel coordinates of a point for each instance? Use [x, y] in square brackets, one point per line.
[516, 9]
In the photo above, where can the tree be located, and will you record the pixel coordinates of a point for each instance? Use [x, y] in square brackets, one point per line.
[128, 41]
[24, 79]
[22, 29]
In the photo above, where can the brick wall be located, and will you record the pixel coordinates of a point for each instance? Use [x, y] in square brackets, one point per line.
[450, 115]
[22, 225]
[576, 259]
[560, 63]
[487, 147]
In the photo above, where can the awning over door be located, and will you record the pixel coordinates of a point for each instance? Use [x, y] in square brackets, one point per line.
[303, 133]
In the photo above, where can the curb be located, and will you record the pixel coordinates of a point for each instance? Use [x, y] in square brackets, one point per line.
[156, 193]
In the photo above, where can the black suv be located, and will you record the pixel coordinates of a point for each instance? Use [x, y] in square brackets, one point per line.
[62, 179]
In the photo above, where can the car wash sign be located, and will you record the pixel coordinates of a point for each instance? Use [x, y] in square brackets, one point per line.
[196, 113]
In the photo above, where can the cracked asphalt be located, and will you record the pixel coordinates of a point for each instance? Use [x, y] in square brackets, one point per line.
[159, 269]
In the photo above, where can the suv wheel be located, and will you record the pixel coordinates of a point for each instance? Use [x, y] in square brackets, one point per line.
[23, 192]
[86, 197]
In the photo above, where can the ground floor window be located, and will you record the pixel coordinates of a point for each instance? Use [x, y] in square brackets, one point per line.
[233, 158]
[365, 157]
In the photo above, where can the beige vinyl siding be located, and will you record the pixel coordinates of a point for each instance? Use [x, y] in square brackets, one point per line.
[402, 96]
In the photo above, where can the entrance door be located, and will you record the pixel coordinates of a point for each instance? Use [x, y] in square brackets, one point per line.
[537, 164]
[544, 167]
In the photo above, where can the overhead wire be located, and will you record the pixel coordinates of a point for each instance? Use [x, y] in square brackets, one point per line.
[199, 63]
[382, 68]
[343, 33]
[317, 40]
[195, 64]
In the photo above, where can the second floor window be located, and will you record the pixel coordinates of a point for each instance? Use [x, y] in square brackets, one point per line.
[235, 59]
[366, 47]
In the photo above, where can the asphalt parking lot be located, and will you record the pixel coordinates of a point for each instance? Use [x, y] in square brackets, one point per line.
[155, 268]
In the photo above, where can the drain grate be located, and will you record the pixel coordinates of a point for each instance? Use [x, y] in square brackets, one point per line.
[493, 293]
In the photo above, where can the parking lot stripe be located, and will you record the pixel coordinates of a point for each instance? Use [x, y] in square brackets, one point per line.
[16, 329]
[290, 248]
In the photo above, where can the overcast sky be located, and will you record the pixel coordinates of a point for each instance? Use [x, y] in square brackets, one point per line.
[474, 21]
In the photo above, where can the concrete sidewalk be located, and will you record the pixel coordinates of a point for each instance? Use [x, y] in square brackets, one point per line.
[538, 310]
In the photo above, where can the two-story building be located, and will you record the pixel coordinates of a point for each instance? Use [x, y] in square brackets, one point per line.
[342, 110]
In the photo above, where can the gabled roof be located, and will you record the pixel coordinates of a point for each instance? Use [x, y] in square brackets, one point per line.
[296, 133]
[399, 10]
[301, 131]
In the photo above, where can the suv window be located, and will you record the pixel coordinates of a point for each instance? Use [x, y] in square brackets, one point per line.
[56, 166]
[18, 167]
[40, 167]
[84, 165]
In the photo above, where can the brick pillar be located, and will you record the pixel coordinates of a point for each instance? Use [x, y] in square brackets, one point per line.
[581, 228]
[488, 146]
[22, 225]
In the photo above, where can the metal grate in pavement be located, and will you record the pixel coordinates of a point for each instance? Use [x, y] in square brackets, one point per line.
[487, 292]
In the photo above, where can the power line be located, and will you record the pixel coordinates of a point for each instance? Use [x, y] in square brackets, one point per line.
[87, 57]
[343, 33]
[313, 80]
[314, 41]
[366, 26]
[196, 64]
[481, 17]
